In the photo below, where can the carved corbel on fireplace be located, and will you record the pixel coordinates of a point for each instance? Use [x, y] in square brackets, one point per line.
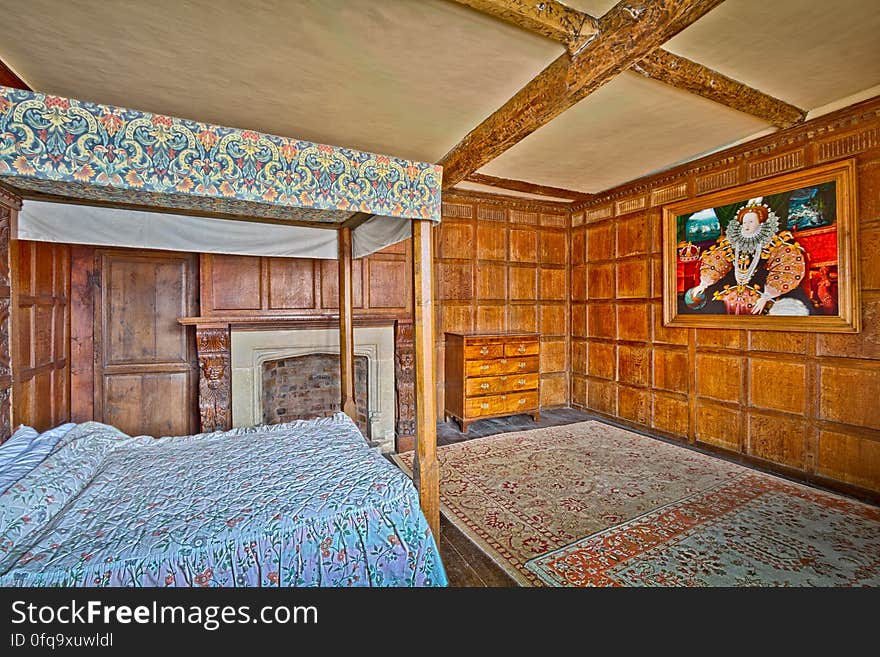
[214, 377]
[405, 376]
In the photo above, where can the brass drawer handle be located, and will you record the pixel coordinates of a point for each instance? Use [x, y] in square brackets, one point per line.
[484, 368]
[484, 406]
[484, 351]
[522, 382]
[484, 386]
[522, 365]
[522, 401]
[522, 349]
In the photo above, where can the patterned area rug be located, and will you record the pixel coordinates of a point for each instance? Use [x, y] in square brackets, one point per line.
[589, 504]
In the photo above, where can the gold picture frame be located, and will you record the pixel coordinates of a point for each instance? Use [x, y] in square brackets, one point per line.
[712, 279]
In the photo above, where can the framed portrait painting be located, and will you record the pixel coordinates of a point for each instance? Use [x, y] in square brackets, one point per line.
[776, 254]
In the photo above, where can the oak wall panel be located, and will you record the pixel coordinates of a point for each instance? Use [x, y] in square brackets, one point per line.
[780, 439]
[523, 283]
[237, 283]
[523, 245]
[633, 322]
[491, 281]
[778, 385]
[491, 241]
[291, 283]
[848, 457]
[523, 318]
[850, 395]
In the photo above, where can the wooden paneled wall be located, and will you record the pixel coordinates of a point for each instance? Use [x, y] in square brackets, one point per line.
[801, 402]
[499, 264]
[502, 265]
[234, 286]
[41, 369]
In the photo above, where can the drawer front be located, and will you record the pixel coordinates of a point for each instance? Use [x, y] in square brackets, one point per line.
[492, 385]
[502, 366]
[485, 350]
[502, 404]
[521, 348]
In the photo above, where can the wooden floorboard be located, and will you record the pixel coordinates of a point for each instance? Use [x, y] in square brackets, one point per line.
[468, 565]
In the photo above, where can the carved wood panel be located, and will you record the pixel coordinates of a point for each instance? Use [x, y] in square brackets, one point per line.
[213, 345]
[404, 371]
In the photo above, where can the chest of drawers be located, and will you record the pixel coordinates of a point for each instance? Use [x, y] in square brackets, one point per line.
[491, 375]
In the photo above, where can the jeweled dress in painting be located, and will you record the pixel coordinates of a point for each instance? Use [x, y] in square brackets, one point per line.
[754, 268]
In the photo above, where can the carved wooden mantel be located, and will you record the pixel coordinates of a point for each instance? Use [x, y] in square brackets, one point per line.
[213, 342]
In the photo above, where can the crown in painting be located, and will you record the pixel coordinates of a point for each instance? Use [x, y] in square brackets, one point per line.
[688, 252]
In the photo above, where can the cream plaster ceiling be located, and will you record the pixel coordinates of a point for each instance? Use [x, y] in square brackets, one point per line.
[402, 77]
[630, 127]
[412, 77]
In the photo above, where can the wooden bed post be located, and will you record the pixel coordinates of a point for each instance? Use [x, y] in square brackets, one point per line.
[425, 469]
[346, 328]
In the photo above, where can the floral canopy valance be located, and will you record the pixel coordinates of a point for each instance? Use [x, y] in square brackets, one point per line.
[63, 147]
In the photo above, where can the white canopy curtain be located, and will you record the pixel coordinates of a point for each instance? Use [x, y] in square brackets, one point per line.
[84, 224]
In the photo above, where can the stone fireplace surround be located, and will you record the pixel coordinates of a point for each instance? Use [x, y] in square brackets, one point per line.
[251, 348]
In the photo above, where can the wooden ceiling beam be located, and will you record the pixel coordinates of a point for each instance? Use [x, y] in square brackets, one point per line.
[527, 187]
[631, 30]
[553, 19]
[688, 75]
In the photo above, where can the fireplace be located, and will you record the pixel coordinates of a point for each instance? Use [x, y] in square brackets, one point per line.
[271, 382]
[302, 387]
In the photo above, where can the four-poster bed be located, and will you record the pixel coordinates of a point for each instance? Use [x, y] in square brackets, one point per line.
[123, 161]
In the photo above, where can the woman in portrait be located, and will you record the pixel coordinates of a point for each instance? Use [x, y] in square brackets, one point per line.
[752, 269]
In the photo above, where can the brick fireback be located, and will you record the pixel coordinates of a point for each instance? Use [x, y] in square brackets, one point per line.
[301, 387]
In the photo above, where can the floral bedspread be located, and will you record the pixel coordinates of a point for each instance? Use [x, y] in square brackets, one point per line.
[305, 503]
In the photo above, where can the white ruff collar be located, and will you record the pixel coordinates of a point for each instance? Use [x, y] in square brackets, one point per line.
[757, 241]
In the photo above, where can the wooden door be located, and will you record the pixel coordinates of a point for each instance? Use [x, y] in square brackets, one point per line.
[145, 375]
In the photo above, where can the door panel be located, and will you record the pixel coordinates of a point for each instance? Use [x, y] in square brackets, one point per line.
[145, 364]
